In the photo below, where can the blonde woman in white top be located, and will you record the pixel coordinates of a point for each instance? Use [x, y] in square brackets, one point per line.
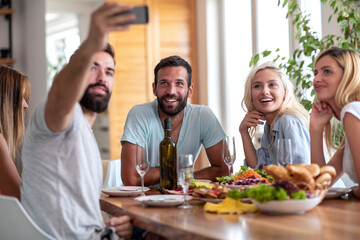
[337, 87]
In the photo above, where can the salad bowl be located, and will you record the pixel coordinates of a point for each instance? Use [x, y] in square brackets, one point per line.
[292, 206]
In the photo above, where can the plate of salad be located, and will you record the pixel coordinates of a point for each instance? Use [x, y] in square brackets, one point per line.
[282, 197]
[244, 178]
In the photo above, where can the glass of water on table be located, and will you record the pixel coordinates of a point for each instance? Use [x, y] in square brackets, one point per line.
[185, 169]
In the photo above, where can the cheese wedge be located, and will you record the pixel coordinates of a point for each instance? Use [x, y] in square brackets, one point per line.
[230, 206]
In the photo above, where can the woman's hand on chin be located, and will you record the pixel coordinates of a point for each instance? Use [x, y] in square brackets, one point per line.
[251, 119]
[321, 114]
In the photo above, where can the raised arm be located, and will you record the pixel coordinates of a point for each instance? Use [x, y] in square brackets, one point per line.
[129, 174]
[69, 85]
[218, 167]
[251, 119]
[321, 114]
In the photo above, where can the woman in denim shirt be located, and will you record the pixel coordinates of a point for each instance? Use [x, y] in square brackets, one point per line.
[269, 98]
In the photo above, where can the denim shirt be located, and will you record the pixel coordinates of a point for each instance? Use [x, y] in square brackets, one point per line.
[286, 126]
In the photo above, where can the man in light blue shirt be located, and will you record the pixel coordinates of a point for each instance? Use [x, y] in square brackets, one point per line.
[192, 125]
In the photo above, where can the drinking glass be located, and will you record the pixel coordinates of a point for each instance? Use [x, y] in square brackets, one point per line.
[283, 152]
[142, 162]
[185, 170]
[229, 152]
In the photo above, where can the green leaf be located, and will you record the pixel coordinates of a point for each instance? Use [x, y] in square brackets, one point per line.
[343, 24]
[332, 5]
[266, 53]
[329, 19]
[352, 20]
[306, 103]
[357, 17]
[345, 45]
[251, 62]
[344, 14]
[256, 59]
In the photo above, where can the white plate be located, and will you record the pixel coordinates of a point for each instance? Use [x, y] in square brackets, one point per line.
[163, 200]
[123, 191]
[337, 192]
[288, 206]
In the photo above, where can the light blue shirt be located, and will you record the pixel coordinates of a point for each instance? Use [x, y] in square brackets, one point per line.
[199, 127]
[289, 127]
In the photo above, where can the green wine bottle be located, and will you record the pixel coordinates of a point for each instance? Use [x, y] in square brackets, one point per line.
[168, 174]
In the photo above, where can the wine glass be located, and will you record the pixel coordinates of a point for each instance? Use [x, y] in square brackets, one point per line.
[142, 162]
[283, 152]
[185, 170]
[229, 152]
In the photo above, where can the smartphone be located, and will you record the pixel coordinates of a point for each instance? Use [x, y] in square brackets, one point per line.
[141, 13]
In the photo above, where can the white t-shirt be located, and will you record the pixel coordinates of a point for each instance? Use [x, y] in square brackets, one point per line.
[62, 177]
[348, 161]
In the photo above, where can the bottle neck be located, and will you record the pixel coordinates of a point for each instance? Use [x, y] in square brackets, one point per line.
[167, 133]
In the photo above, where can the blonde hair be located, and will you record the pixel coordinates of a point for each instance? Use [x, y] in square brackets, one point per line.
[14, 87]
[349, 86]
[290, 105]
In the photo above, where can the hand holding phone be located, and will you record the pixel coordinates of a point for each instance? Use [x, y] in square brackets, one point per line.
[141, 14]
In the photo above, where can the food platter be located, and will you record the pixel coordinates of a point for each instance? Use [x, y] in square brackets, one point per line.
[288, 206]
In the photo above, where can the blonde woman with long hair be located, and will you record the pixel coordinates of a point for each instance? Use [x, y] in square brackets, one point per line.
[269, 98]
[14, 97]
[337, 88]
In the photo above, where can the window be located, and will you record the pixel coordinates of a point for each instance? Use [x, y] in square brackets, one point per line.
[62, 39]
[243, 36]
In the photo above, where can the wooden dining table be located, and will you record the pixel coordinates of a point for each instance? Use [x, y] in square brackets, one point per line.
[332, 219]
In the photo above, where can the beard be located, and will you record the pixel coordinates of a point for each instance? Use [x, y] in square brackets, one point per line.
[96, 102]
[170, 111]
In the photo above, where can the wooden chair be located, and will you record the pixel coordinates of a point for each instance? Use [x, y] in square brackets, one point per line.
[15, 223]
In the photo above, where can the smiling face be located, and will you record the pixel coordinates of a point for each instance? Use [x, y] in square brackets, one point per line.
[328, 75]
[172, 89]
[267, 92]
[101, 79]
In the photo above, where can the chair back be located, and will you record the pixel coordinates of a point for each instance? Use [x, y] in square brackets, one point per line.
[15, 223]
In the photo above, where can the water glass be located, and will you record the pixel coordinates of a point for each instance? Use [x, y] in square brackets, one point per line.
[229, 151]
[185, 170]
[142, 162]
